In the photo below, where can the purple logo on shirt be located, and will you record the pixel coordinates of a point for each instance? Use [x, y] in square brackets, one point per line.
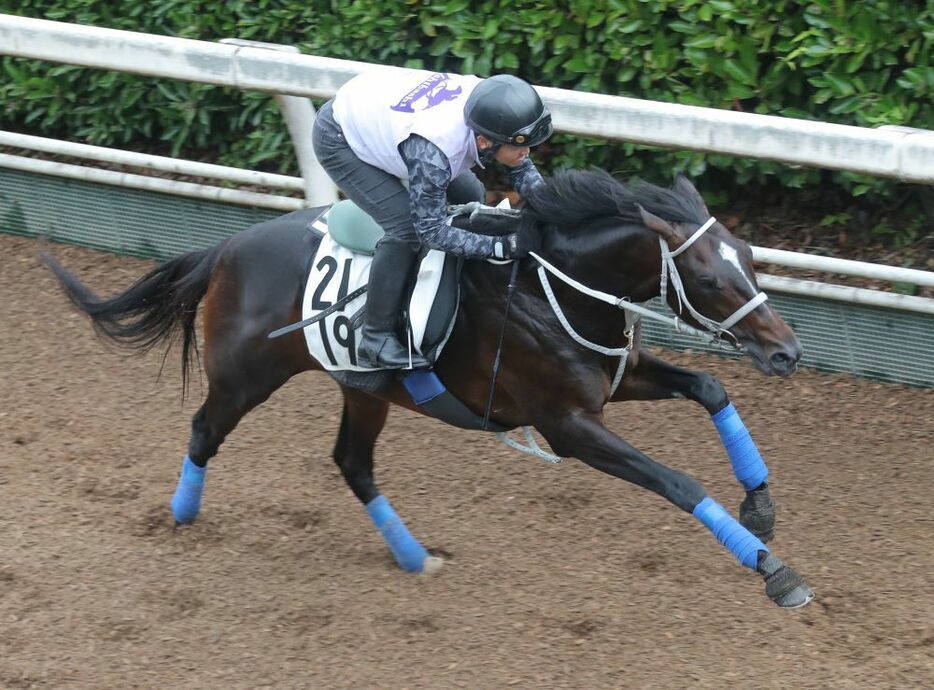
[434, 89]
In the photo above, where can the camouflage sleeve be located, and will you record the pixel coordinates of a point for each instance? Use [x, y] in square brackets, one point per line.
[429, 177]
[525, 177]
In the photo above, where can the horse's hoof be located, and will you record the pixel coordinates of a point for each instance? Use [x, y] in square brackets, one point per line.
[757, 513]
[796, 598]
[783, 585]
[432, 565]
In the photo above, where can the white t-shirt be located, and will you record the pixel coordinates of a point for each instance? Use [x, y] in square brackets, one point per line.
[377, 110]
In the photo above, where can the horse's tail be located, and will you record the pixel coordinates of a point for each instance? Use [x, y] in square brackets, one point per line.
[154, 309]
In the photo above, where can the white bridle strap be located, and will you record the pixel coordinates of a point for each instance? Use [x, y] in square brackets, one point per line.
[697, 233]
[556, 308]
[743, 310]
[632, 318]
[580, 287]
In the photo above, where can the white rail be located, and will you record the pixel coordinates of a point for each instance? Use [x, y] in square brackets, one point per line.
[845, 293]
[142, 160]
[904, 154]
[827, 264]
[150, 184]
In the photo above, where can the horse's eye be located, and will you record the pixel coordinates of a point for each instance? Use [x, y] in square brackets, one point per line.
[708, 282]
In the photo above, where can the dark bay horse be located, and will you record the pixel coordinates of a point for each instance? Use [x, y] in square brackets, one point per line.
[628, 241]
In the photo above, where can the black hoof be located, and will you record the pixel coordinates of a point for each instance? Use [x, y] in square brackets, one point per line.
[757, 513]
[783, 585]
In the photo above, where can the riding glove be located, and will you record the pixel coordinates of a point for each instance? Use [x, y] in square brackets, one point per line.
[518, 244]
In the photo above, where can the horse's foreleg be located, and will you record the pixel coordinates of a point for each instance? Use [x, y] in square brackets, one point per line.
[584, 436]
[654, 379]
[362, 421]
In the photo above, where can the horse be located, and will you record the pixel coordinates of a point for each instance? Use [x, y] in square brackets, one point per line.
[603, 237]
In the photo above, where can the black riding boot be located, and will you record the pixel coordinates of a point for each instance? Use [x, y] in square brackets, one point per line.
[389, 277]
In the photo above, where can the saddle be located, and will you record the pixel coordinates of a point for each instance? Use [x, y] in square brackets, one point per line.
[335, 297]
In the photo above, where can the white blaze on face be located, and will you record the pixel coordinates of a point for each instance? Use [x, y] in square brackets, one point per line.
[729, 254]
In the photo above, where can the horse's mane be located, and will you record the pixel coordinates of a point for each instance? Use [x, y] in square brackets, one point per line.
[571, 197]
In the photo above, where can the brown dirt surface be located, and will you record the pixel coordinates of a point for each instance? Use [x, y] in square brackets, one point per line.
[555, 576]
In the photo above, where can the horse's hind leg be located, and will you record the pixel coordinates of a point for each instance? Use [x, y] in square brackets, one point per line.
[230, 397]
[363, 419]
[654, 379]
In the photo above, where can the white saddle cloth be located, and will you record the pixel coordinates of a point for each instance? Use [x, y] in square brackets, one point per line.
[336, 272]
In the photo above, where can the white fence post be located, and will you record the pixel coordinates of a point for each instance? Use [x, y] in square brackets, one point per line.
[299, 114]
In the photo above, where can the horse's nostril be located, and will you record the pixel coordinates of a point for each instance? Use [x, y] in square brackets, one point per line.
[782, 360]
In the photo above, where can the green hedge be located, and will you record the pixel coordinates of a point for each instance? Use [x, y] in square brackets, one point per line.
[846, 61]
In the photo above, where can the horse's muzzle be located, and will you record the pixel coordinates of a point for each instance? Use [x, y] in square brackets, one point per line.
[775, 359]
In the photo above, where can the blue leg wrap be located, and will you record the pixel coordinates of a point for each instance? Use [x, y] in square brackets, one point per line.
[747, 464]
[187, 499]
[729, 532]
[409, 554]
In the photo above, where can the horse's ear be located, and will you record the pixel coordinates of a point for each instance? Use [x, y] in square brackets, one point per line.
[683, 186]
[656, 224]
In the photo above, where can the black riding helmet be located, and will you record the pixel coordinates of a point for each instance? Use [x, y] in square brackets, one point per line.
[507, 110]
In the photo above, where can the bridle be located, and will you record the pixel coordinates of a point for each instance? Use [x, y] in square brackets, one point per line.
[719, 328]
[715, 330]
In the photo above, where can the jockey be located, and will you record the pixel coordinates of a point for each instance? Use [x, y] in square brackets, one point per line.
[387, 126]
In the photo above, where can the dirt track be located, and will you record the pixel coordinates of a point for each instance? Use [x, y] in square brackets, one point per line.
[556, 577]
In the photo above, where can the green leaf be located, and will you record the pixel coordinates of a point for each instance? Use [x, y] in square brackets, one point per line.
[440, 46]
[507, 61]
[566, 41]
[625, 74]
[854, 62]
[579, 63]
[839, 85]
[454, 6]
[595, 19]
[847, 105]
[678, 26]
[796, 113]
[739, 72]
[706, 41]
[721, 6]
[630, 26]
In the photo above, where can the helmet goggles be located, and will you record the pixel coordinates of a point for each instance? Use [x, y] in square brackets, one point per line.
[531, 135]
